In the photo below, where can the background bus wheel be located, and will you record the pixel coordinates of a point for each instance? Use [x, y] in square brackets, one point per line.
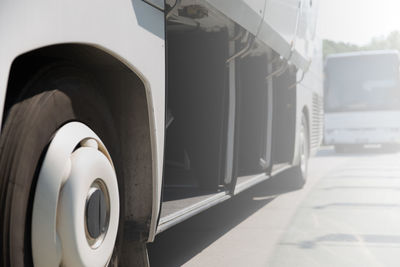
[301, 170]
[58, 186]
[390, 148]
[340, 148]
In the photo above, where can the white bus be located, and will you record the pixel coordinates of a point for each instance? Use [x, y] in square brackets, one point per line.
[362, 99]
[123, 118]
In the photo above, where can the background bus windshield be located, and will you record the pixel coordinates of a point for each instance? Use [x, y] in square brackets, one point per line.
[363, 83]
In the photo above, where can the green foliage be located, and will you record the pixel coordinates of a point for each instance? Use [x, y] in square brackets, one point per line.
[331, 47]
[392, 41]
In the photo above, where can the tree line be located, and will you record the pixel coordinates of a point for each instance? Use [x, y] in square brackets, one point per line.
[391, 41]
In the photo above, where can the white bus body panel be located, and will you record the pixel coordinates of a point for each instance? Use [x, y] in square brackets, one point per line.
[246, 13]
[372, 127]
[132, 31]
[309, 99]
[282, 18]
[287, 26]
[306, 29]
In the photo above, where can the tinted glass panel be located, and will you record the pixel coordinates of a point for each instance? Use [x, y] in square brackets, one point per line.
[363, 83]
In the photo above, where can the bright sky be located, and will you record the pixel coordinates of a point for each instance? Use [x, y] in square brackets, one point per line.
[357, 21]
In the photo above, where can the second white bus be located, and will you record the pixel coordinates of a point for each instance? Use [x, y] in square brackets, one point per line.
[362, 99]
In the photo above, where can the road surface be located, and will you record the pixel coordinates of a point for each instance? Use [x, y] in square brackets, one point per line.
[348, 214]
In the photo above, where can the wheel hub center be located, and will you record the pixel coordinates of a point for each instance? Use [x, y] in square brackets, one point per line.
[96, 212]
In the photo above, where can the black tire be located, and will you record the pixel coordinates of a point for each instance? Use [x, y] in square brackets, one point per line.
[340, 149]
[301, 169]
[56, 95]
[349, 148]
[390, 148]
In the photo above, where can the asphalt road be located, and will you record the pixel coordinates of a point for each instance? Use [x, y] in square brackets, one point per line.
[348, 214]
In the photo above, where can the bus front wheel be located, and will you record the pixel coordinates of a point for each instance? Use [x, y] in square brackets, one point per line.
[59, 193]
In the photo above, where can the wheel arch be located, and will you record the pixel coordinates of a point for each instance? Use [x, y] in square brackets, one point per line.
[127, 98]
